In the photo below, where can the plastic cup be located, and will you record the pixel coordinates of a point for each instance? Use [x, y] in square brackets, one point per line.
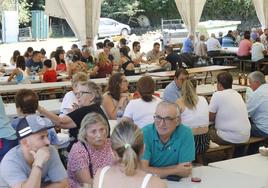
[196, 175]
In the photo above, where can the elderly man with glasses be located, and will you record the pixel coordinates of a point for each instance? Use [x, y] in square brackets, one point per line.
[169, 145]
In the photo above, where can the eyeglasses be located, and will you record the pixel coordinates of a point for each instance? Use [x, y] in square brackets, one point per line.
[167, 119]
[81, 93]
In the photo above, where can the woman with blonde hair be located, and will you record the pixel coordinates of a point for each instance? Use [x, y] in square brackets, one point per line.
[103, 68]
[195, 114]
[127, 145]
[92, 151]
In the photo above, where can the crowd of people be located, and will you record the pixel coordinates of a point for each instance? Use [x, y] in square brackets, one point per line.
[155, 138]
[252, 45]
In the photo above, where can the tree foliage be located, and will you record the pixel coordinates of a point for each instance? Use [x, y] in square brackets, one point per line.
[121, 10]
[24, 10]
[242, 10]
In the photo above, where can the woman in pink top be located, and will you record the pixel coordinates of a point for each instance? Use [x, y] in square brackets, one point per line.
[91, 152]
[244, 50]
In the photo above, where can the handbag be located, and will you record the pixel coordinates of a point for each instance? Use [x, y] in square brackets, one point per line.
[89, 160]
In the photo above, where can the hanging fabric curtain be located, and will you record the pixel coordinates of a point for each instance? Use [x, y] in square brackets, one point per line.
[190, 11]
[261, 7]
[82, 15]
[53, 8]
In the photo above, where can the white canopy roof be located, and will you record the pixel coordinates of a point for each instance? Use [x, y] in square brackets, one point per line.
[82, 15]
[190, 11]
[261, 7]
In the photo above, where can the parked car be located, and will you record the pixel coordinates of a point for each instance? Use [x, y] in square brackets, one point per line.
[109, 27]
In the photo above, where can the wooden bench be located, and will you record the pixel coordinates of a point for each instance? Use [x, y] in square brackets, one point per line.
[230, 149]
[227, 149]
[243, 62]
[252, 140]
[264, 63]
[230, 58]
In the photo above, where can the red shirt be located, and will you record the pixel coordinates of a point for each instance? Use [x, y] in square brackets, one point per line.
[50, 76]
[105, 69]
[244, 48]
[61, 67]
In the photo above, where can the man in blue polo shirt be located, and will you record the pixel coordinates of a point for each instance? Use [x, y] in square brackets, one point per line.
[188, 44]
[173, 90]
[169, 145]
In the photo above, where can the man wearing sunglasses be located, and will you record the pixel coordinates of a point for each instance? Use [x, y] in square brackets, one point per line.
[169, 145]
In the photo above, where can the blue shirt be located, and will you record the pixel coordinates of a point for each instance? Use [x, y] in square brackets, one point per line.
[228, 42]
[14, 168]
[179, 149]
[34, 66]
[187, 46]
[257, 106]
[6, 131]
[171, 92]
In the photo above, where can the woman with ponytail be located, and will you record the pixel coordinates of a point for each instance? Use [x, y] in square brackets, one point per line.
[194, 113]
[127, 145]
[141, 111]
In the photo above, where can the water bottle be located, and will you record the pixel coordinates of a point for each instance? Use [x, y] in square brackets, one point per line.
[119, 115]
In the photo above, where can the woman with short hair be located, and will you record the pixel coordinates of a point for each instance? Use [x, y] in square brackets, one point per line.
[141, 110]
[127, 144]
[117, 96]
[92, 151]
[69, 98]
[89, 99]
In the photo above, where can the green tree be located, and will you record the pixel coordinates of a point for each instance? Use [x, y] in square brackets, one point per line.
[120, 9]
[241, 10]
[37, 4]
[24, 11]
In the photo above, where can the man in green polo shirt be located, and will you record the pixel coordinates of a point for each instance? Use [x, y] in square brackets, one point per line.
[169, 145]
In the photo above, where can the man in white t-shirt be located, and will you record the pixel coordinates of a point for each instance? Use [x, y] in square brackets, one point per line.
[135, 54]
[264, 37]
[213, 44]
[229, 112]
[258, 51]
[213, 47]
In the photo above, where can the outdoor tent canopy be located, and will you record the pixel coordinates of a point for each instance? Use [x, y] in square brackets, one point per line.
[190, 11]
[261, 7]
[83, 15]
